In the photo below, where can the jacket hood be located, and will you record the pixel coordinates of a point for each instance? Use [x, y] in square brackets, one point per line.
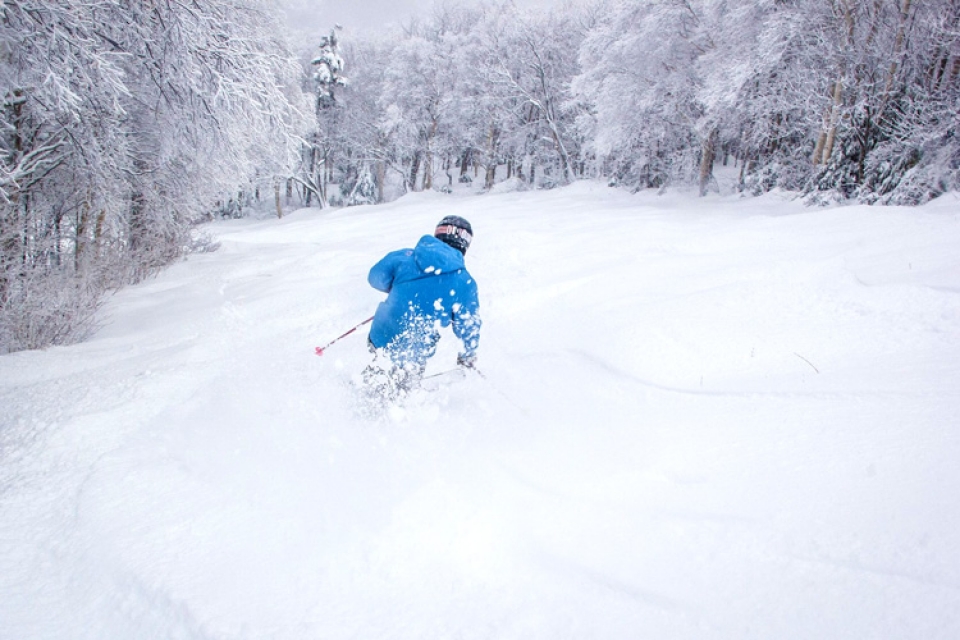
[435, 256]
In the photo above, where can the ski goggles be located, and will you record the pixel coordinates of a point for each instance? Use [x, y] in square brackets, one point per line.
[450, 230]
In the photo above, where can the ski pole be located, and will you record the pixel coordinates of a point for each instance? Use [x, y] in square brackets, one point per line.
[441, 373]
[320, 350]
[516, 405]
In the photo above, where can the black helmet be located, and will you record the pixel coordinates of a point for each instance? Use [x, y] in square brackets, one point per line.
[456, 232]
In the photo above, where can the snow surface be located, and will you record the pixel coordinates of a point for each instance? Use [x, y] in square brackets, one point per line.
[701, 418]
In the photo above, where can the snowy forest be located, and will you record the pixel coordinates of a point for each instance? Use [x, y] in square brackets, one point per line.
[125, 124]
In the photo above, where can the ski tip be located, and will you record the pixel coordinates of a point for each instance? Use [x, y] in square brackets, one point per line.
[319, 351]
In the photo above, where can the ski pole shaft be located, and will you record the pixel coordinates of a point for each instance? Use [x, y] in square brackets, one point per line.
[503, 395]
[320, 350]
[440, 373]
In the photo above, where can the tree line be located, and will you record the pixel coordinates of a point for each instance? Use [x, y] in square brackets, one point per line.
[125, 123]
[122, 124]
[834, 99]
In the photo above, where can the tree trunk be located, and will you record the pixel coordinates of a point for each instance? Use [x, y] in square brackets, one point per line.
[490, 178]
[321, 182]
[427, 172]
[707, 157]
[98, 232]
[80, 232]
[493, 143]
[954, 71]
[821, 141]
[896, 54]
[381, 168]
[276, 197]
[834, 121]
[564, 156]
[414, 170]
[428, 156]
[311, 172]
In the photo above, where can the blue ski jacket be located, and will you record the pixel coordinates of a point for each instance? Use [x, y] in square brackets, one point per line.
[427, 288]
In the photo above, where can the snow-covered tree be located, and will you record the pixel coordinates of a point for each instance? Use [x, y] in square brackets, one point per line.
[531, 60]
[319, 155]
[904, 135]
[419, 86]
[121, 125]
[829, 96]
[328, 70]
[641, 79]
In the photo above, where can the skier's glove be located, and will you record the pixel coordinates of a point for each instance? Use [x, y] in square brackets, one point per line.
[468, 362]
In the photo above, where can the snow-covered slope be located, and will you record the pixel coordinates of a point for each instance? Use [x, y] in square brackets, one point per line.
[701, 418]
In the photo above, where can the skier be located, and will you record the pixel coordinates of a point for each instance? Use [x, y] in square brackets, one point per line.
[427, 287]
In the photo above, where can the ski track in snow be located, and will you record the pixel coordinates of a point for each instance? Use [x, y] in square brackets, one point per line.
[699, 418]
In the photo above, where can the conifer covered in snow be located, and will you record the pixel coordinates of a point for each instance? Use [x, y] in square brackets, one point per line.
[328, 70]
